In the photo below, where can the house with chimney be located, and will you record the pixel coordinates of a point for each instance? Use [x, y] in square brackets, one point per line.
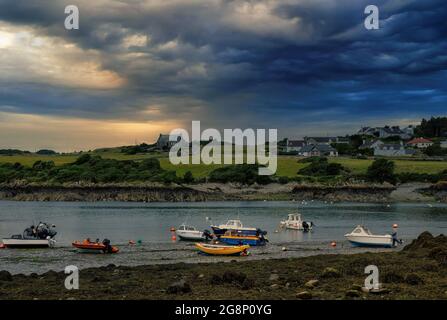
[318, 150]
[294, 145]
[393, 150]
[420, 143]
[387, 132]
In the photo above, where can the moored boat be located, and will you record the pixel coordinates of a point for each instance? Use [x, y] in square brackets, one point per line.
[190, 233]
[295, 222]
[95, 247]
[361, 236]
[41, 236]
[235, 238]
[234, 225]
[222, 250]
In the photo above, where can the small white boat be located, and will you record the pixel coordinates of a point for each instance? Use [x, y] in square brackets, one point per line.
[16, 242]
[361, 236]
[185, 232]
[41, 236]
[295, 222]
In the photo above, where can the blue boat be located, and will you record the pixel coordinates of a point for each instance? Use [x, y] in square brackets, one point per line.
[235, 238]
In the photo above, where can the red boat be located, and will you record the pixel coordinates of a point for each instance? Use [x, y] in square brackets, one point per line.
[95, 247]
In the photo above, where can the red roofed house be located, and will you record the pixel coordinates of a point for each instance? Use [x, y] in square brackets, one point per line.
[420, 143]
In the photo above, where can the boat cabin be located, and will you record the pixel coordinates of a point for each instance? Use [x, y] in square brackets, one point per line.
[236, 224]
[361, 230]
[294, 217]
[186, 228]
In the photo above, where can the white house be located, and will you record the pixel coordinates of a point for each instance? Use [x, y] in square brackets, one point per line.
[393, 150]
[294, 145]
[420, 143]
[387, 131]
[318, 150]
[443, 144]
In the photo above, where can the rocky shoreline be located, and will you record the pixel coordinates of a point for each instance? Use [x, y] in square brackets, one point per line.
[416, 272]
[221, 192]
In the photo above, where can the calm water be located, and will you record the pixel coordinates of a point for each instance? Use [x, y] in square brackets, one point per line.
[150, 223]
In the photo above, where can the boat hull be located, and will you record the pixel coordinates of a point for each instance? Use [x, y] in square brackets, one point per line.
[237, 240]
[380, 242]
[220, 250]
[190, 236]
[93, 248]
[26, 243]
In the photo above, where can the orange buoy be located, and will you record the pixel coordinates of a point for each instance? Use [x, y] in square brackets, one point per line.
[395, 226]
[333, 244]
[2, 246]
[173, 237]
[172, 229]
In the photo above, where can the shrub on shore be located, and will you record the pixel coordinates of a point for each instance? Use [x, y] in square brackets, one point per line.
[243, 173]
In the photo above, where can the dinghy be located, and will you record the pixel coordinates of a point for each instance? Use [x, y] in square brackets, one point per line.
[41, 236]
[295, 222]
[361, 236]
[222, 250]
[94, 247]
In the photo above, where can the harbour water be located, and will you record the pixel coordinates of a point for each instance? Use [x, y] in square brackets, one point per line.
[151, 222]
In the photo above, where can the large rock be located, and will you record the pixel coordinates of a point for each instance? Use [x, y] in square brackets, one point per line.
[5, 276]
[311, 284]
[179, 287]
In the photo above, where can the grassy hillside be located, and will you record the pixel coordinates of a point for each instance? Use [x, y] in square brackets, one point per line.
[287, 165]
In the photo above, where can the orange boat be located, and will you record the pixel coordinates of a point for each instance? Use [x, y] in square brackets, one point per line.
[95, 247]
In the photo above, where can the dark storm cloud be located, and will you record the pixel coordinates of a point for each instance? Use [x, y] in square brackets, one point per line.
[277, 62]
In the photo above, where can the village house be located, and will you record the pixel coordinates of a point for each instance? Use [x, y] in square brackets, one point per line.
[420, 143]
[443, 144]
[386, 132]
[294, 145]
[318, 150]
[371, 144]
[393, 150]
[163, 142]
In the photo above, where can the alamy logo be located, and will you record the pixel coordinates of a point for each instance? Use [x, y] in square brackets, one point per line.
[72, 280]
[372, 281]
[249, 144]
[72, 20]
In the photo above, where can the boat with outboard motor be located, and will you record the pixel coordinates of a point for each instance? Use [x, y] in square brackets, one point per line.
[87, 246]
[237, 226]
[361, 236]
[295, 222]
[40, 236]
[190, 233]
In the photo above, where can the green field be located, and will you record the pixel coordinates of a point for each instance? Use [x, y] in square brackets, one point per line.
[287, 165]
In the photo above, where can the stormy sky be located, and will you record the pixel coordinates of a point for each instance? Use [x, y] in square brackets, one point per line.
[139, 67]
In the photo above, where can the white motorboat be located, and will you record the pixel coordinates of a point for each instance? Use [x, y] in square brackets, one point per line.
[41, 236]
[15, 242]
[361, 236]
[295, 222]
[186, 232]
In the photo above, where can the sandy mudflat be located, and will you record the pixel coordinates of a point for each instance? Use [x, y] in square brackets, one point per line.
[416, 272]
